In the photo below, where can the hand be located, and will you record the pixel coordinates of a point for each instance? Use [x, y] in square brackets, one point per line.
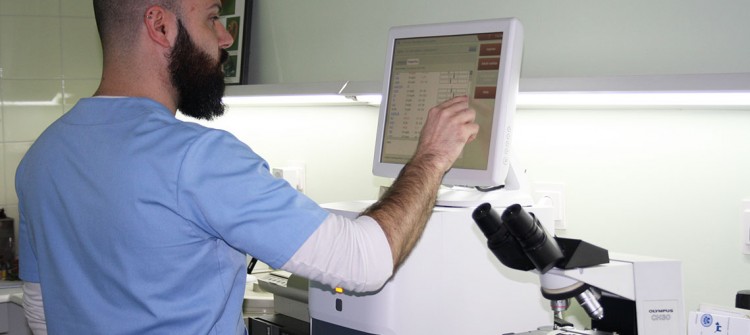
[404, 210]
[448, 128]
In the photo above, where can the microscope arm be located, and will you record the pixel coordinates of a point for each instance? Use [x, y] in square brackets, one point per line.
[615, 277]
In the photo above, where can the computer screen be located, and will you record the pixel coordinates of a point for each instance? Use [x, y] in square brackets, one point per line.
[428, 64]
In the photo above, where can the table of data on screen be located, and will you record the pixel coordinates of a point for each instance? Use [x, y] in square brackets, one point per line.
[414, 93]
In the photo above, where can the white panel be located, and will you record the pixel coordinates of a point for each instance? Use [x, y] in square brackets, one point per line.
[345, 40]
[30, 47]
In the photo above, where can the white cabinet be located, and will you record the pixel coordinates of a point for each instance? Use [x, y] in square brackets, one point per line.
[4, 317]
[17, 324]
[13, 320]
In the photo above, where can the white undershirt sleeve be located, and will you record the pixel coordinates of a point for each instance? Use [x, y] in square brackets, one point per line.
[33, 307]
[351, 254]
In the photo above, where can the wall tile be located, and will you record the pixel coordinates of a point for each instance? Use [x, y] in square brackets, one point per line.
[81, 8]
[30, 7]
[31, 47]
[2, 21]
[3, 174]
[1, 109]
[29, 106]
[27, 123]
[77, 89]
[81, 49]
[14, 152]
[27, 90]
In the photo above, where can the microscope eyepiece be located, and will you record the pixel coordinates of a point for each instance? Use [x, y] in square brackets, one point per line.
[499, 239]
[541, 248]
[517, 238]
[487, 219]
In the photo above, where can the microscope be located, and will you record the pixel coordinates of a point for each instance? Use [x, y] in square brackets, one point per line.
[622, 294]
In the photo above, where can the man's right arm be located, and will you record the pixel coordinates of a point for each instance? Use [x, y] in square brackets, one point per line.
[349, 254]
[403, 211]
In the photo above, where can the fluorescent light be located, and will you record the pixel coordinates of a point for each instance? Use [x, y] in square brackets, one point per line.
[632, 99]
[370, 99]
[57, 100]
[664, 91]
[368, 92]
[300, 94]
[287, 100]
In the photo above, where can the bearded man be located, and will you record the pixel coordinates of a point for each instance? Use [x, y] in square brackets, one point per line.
[134, 222]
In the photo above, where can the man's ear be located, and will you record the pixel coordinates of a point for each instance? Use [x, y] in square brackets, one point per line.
[161, 26]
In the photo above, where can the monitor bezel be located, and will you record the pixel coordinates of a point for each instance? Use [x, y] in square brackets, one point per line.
[507, 89]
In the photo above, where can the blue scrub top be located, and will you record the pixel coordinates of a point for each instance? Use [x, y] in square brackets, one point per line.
[135, 222]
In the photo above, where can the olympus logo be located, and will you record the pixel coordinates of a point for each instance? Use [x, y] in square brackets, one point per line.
[661, 314]
[654, 311]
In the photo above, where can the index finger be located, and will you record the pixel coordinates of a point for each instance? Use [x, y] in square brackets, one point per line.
[453, 101]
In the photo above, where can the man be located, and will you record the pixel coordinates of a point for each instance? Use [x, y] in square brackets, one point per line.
[133, 222]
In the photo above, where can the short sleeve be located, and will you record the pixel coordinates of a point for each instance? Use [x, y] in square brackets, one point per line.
[27, 263]
[227, 190]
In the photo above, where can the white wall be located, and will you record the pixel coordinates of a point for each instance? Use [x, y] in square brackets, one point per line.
[665, 183]
[335, 144]
[333, 40]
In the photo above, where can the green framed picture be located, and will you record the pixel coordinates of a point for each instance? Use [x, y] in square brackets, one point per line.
[236, 16]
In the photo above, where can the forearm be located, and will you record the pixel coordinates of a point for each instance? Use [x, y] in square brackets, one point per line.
[404, 210]
[406, 207]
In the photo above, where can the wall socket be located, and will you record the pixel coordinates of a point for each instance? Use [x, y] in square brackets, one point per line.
[555, 194]
[745, 225]
[294, 175]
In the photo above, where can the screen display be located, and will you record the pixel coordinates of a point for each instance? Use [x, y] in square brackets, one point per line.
[427, 71]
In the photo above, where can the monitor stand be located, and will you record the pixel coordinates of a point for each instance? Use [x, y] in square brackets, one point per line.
[517, 190]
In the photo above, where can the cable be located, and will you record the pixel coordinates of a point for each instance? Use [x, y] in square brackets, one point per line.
[251, 265]
[489, 189]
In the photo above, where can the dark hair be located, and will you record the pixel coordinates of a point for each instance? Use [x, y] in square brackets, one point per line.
[118, 20]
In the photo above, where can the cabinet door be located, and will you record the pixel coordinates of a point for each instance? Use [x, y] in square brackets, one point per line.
[17, 324]
[4, 318]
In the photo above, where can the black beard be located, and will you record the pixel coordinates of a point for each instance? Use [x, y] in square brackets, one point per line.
[198, 79]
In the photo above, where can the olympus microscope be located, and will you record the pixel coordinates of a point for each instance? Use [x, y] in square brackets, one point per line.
[622, 294]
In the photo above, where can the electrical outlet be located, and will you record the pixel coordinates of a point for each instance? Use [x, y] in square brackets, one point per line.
[745, 226]
[554, 193]
[294, 175]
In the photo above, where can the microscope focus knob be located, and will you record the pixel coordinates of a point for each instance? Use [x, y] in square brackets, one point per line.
[743, 299]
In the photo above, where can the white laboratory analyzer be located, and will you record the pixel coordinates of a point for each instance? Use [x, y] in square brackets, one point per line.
[450, 284]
